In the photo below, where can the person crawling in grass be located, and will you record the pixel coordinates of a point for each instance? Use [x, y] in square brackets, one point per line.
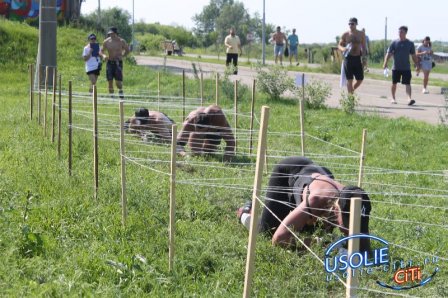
[203, 130]
[299, 193]
[146, 122]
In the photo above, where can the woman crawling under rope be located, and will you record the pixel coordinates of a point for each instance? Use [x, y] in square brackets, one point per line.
[299, 192]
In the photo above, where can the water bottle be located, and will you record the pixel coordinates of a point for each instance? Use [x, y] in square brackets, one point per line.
[386, 72]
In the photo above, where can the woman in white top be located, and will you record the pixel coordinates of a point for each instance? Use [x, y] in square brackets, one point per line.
[424, 54]
[92, 60]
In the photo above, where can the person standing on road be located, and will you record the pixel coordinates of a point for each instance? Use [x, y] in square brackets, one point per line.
[352, 45]
[424, 55]
[117, 49]
[400, 49]
[279, 39]
[293, 40]
[91, 56]
[233, 47]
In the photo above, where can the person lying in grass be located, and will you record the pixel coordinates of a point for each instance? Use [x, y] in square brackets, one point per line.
[203, 130]
[146, 122]
[299, 194]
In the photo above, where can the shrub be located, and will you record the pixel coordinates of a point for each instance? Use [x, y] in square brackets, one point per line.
[316, 93]
[348, 102]
[273, 81]
[228, 86]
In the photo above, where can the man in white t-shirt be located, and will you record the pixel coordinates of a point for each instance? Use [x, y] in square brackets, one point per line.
[92, 60]
[233, 46]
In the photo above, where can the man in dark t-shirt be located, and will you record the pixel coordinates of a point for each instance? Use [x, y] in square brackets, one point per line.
[400, 49]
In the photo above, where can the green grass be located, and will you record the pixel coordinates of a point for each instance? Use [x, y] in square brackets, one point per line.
[57, 240]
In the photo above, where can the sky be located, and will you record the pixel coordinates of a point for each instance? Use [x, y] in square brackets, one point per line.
[316, 21]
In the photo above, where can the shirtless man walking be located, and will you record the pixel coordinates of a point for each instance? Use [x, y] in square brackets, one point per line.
[352, 46]
[116, 48]
[280, 40]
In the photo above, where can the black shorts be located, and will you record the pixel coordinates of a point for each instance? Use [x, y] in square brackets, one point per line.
[230, 58]
[95, 72]
[353, 67]
[403, 76]
[114, 70]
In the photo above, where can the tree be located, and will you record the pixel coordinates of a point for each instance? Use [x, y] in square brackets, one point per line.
[112, 17]
[233, 15]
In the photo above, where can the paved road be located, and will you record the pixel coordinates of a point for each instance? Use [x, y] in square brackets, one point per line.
[374, 94]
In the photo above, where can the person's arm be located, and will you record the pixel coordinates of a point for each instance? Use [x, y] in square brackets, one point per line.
[295, 221]
[226, 43]
[239, 46]
[103, 47]
[125, 48]
[386, 59]
[87, 53]
[342, 43]
[364, 49]
[416, 63]
[184, 135]
[286, 39]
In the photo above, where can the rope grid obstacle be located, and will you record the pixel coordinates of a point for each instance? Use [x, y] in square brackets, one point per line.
[394, 204]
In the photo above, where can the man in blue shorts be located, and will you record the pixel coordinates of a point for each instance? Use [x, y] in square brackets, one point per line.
[400, 49]
[293, 41]
[279, 38]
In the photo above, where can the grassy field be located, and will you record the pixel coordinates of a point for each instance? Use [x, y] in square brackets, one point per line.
[57, 240]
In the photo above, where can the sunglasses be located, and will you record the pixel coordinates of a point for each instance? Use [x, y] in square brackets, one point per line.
[93, 38]
[351, 24]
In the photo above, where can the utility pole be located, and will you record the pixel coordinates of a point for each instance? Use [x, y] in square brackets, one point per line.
[263, 35]
[385, 37]
[46, 53]
[98, 27]
[132, 42]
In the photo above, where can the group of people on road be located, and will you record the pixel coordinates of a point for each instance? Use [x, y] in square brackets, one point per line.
[354, 45]
[112, 51]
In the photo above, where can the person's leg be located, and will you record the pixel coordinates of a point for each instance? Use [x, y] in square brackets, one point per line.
[278, 192]
[235, 63]
[291, 53]
[396, 77]
[409, 91]
[195, 142]
[406, 80]
[393, 90]
[110, 69]
[228, 59]
[111, 87]
[425, 80]
[358, 72]
[275, 53]
[119, 79]
[357, 84]
[93, 78]
[350, 86]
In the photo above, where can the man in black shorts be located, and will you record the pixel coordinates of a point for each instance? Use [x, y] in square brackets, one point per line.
[352, 46]
[116, 48]
[400, 49]
[300, 192]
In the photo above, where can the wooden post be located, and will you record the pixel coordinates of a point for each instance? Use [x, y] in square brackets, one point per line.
[95, 143]
[255, 204]
[251, 127]
[39, 97]
[353, 245]
[217, 89]
[183, 93]
[362, 157]
[124, 202]
[53, 110]
[172, 225]
[31, 68]
[201, 86]
[302, 117]
[59, 116]
[158, 91]
[70, 129]
[235, 95]
[46, 100]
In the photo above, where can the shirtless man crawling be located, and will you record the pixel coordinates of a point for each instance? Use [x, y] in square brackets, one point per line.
[154, 122]
[116, 48]
[352, 45]
[203, 130]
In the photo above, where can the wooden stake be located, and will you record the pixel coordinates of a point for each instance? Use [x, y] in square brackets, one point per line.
[302, 116]
[31, 68]
[70, 128]
[46, 100]
[353, 245]
[235, 106]
[172, 225]
[59, 116]
[53, 110]
[217, 89]
[362, 157]
[39, 97]
[251, 127]
[124, 202]
[255, 204]
[201, 86]
[95, 143]
[183, 93]
[158, 91]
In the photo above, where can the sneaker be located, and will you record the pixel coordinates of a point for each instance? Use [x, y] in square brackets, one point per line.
[121, 94]
[411, 102]
[425, 91]
[247, 207]
[393, 101]
[297, 64]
